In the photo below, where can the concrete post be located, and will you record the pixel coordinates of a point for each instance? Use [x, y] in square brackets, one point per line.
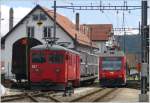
[143, 97]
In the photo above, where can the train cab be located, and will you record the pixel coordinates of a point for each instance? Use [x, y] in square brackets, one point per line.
[54, 66]
[112, 69]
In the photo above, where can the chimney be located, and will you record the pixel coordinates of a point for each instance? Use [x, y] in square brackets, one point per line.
[77, 21]
[11, 13]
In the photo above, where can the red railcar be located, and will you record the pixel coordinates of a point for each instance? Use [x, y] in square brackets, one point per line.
[112, 68]
[54, 67]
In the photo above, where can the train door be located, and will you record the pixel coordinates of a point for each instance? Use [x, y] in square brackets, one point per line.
[38, 64]
[55, 70]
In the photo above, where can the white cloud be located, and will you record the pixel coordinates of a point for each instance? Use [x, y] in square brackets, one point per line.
[19, 13]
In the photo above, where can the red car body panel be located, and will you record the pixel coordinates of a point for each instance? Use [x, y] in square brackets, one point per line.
[69, 70]
[113, 74]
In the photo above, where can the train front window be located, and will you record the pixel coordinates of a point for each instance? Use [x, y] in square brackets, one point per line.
[111, 64]
[56, 58]
[38, 58]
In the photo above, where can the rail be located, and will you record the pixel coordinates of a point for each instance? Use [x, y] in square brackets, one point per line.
[32, 96]
[95, 95]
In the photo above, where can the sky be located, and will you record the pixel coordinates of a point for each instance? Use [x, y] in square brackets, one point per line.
[23, 7]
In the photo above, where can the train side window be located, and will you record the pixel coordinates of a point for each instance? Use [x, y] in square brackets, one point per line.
[38, 58]
[55, 58]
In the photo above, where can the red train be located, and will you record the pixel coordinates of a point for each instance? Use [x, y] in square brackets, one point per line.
[112, 68]
[55, 67]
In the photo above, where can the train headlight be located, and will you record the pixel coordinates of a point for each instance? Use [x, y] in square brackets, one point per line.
[120, 75]
[111, 72]
[103, 75]
[57, 70]
[37, 69]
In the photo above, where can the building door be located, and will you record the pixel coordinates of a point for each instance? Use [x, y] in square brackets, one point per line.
[19, 57]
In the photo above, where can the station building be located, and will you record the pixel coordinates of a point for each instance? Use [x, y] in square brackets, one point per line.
[38, 25]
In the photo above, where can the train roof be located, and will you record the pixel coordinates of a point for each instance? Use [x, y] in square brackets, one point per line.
[112, 54]
[53, 47]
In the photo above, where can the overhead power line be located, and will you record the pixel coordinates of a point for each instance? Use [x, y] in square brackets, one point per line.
[92, 7]
[101, 6]
[124, 29]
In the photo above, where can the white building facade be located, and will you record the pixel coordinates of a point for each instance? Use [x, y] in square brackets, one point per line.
[37, 24]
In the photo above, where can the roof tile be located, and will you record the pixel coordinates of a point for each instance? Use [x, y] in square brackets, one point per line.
[69, 27]
[100, 32]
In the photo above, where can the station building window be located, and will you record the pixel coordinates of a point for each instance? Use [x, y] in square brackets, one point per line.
[35, 17]
[40, 16]
[30, 31]
[47, 32]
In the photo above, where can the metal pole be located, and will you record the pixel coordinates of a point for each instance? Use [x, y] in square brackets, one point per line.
[27, 55]
[143, 24]
[139, 59]
[144, 60]
[139, 53]
[91, 40]
[124, 33]
[54, 21]
[143, 97]
[125, 42]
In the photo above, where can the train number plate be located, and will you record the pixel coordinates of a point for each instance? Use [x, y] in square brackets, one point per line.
[34, 66]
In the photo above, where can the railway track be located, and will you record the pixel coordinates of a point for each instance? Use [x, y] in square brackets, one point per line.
[29, 97]
[94, 96]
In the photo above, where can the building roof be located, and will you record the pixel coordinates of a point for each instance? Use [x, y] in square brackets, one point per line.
[64, 23]
[69, 27]
[100, 32]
